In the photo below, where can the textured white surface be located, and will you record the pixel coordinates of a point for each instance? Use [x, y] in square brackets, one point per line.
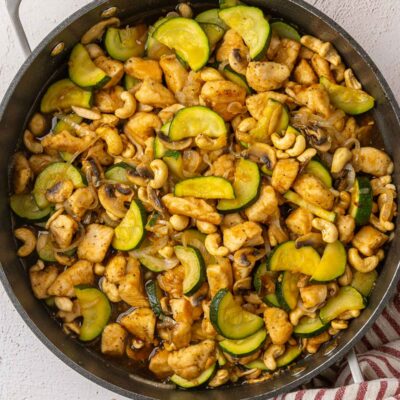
[28, 371]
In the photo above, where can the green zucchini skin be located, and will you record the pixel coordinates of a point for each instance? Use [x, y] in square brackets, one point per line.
[122, 44]
[153, 292]
[315, 168]
[364, 282]
[361, 200]
[285, 30]
[119, 172]
[205, 187]
[309, 327]
[199, 381]
[244, 347]
[287, 292]
[24, 205]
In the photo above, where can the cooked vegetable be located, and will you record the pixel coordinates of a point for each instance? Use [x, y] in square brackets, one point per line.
[228, 3]
[63, 94]
[246, 187]
[250, 24]
[154, 294]
[193, 262]
[196, 239]
[205, 187]
[96, 312]
[214, 33]
[287, 291]
[244, 347]
[83, 71]
[187, 38]
[351, 101]
[130, 232]
[230, 320]
[119, 173]
[347, 299]
[317, 169]
[234, 77]
[130, 82]
[193, 121]
[62, 125]
[200, 380]
[174, 161]
[154, 49]
[285, 30]
[25, 206]
[309, 327]
[211, 17]
[286, 257]
[361, 200]
[364, 282]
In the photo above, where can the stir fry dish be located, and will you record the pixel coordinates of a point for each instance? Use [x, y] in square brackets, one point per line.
[201, 196]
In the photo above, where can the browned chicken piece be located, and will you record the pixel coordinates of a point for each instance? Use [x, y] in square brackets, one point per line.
[264, 75]
[368, 240]
[245, 234]
[288, 52]
[284, 174]
[63, 229]
[113, 340]
[154, 94]
[141, 323]
[299, 221]
[41, 279]
[65, 141]
[175, 73]
[159, 364]
[219, 275]
[278, 325]
[142, 69]
[304, 74]
[171, 281]
[22, 173]
[80, 201]
[264, 207]
[181, 333]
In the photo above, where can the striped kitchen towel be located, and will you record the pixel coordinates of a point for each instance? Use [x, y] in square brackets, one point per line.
[378, 354]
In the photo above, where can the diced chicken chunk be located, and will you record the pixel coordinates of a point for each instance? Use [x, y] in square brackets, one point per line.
[288, 52]
[113, 340]
[284, 174]
[116, 269]
[42, 279]
[22, 173]
[154, 94]
[231, 41]
[182, 331]
[257, 103]
[368, 240]
[159, 364]
[175, 74]
[299, 221]
[219, 276]
[372, 161]
[171, 281]
[264, 207]
[246, 234]
[65, 141]
[264, 75]
[142, 69]
[63, 229]
[304, 74]
[278, 325]
[141, 323]
[80, 201]
[316, 99]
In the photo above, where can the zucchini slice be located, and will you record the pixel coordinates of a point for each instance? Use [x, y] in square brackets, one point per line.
[318, 211]
[153, 263]
[364, 282]
[273, 110]
[284, 30]
[200, 380]
[291, 353]
[230, 320]
[246, 186]
[96, 312]
[174, 161]
[154, 294]
[287, 291]
[53, 174]
[44, 247]
[239, 79]
[195, 271]
[351, 101]
[196, 120]
[153, 48]
[347, 299]
[317, 169]
[130, 232]
[119, 173]
[205, 187]
[270, 299]
[244, 347]
[286, 257]
[309, 327]
[361, 200]
[158, 148]
[63, 94]
[67, 124]
[24, 205]
[196, 239]
[211, 17]
[186, 37]
[83, 71]
[123, 44]
[228, 3]
[332, 264]
[250, 24]
[130, 82]
[214, 33]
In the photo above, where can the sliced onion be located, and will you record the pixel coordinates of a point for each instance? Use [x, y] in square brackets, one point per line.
[153, 248]
[162, 264]
[179, 145]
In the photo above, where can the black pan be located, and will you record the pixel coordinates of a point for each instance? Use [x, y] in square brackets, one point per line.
[40, 69]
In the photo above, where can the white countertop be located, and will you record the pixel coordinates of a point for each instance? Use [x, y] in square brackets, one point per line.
[28, 371]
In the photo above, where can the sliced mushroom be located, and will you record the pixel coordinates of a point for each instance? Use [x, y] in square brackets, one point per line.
[115, 202]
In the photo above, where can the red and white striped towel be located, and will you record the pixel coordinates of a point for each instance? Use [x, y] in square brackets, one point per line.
[378, 354]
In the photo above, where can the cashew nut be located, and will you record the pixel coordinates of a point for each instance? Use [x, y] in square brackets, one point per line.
[99, 269]
[341, 157]
[339, 324]
[328, 229]
[347, 277]
[346, 225]
[350, 80]
[221, 377]
[247, 124]
[28, 238]
[344, 200]
[111, 290]
[366, 264]
[271, 354]
[299, 312]
[37, 124]
[283, 142]
[299, 146]
[160, 171]
[213, 242]
[112, 138]
[86, 113]
[128, 108]
[179, 222]
[314, 343]
[313, 295]
[206, 227]
[307, 155]
[64, 303]
[205, 142]
[97, 31]
[209, 74]
[349, 314]
[185, 10]
[33, 145]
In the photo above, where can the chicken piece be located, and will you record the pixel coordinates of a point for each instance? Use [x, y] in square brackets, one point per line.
[192, 207]
[246, 234]
[287, 53]
[142, 69]
[107, 101]
[181, 333]
[220, 95]
[154, 94]
[190, 93]
[372, 161]
[72, 315]
[299, 221]
[171, 281]
[38, 162]
[278, 325]
[322, 67]
[274, 45]
[99, 152]
[63, 229]
[22, 173]
[368, 240]
[60, 192]
[220, 276]
[257, 103]
[223, 166]
[231, 41]
[64, 141]
[141, 323]
[95, 243]
[191, 361]
[113, 68]
[304, 74]
[115, 269]
[207, 328]
[142, 126]
[159, 364]
[276, 232]
[316, 98]
[265, 75]
[175, 73]
[113, 340]
[80, 273]
[311, 189]
[80, 201]
[131, 286]
[41, 279]
[284, 174]
[264, 207]
[313, 295]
